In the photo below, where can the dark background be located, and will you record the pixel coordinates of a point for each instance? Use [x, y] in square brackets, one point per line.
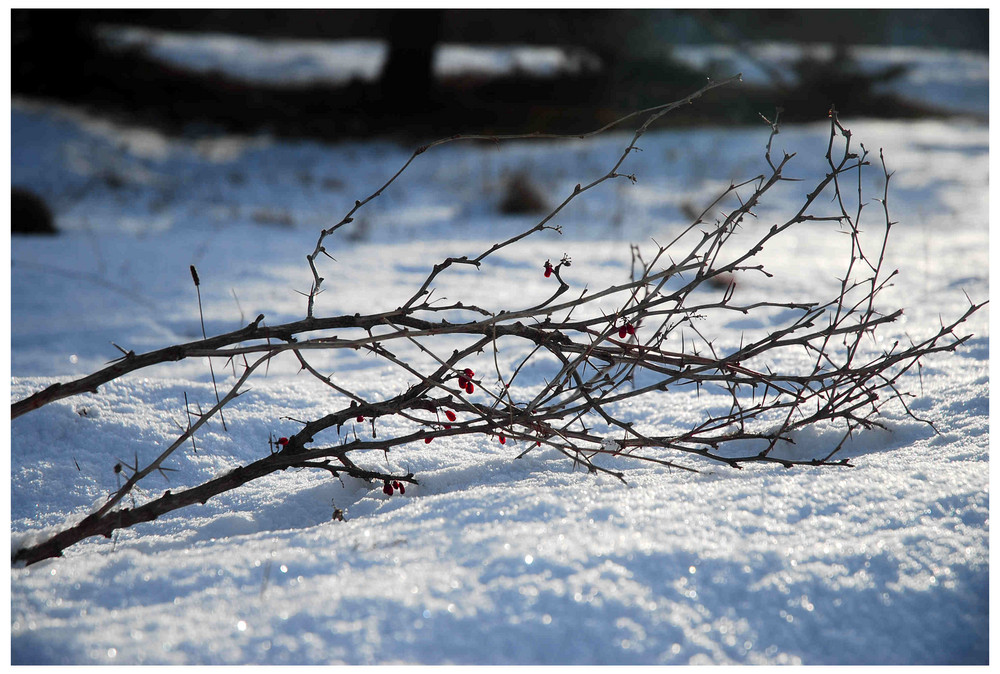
[57, 55]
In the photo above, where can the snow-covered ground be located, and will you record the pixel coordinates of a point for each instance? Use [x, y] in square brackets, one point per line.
[944, 79]
[296, 62]
[489, 560]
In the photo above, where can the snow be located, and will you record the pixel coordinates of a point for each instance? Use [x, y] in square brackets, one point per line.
[951, 80]
[292, 61]
[945, 79]
[488, 560]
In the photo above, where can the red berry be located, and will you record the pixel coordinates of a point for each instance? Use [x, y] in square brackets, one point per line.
[630, 328]
[451, 415]
[538, 443]
[447, 427]
[622, 332]
[469, 373]
[395, 485]
[387, 489]
[402, 489]
[428, 440]
[503, 440]
[282, 441]
[360, 418]
[470, 388]
[548, 270]
[462, 382]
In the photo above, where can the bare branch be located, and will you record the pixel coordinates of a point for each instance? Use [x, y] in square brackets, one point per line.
[611, 346]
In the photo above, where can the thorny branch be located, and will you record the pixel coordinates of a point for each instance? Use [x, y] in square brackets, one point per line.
[603, 358]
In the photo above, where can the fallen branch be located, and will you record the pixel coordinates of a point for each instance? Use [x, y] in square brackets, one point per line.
[603, 357]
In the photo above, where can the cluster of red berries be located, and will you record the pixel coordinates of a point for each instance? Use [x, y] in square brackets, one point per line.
[465, 382]
[626, 329]
[389, 487]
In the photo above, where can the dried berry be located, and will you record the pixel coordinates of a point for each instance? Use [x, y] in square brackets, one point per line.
[451, 415]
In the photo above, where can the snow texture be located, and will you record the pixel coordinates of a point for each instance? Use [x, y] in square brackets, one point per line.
[489, 560]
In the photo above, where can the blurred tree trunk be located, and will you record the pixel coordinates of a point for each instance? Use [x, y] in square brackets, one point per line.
[408, 76]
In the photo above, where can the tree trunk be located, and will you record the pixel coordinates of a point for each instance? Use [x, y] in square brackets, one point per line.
[408, 78]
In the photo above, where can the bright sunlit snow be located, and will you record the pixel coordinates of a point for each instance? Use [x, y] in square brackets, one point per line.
[489, 560]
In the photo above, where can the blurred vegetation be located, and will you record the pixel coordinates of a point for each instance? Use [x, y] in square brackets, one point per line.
[838, 80]
[56, 54]
[945, 28]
